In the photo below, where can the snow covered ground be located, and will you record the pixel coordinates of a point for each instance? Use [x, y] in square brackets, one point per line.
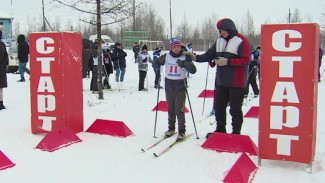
[101, 158]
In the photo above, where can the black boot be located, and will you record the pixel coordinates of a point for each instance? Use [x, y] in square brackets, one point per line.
[1, 105]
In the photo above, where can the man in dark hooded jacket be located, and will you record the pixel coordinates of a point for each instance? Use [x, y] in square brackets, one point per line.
[231, 54]
[119, 62]
[23, 51]
[4, 60]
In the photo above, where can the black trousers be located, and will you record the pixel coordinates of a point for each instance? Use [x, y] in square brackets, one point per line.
[157, 76]
[233, 96]
[252, 82]
[94, 82]
[142, 77]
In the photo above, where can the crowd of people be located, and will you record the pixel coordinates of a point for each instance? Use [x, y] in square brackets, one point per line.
[237, 68]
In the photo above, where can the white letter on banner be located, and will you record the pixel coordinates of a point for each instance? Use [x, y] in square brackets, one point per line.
[286, 65]
[45, 64]
[45, 83]
[283, 143]
[285, 87]
[276, 117]
[47, 122]
[279, 40]
[43, 100]
[42, 45]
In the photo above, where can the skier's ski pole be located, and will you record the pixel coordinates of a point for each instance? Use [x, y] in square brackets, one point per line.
[205, 89]
[154, 132]
[189, 102]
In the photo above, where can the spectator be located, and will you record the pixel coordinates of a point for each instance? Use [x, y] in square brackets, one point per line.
[119, 62]
[320, 63]
[136, 51]
[4, 61]
[93, 60]
[23, 51]
[143, 60]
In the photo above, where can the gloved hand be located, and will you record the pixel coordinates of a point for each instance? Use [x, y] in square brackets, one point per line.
[221, 61]
[190, 54]
[180, 63]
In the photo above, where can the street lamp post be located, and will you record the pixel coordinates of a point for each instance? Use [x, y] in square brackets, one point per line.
[170, 19]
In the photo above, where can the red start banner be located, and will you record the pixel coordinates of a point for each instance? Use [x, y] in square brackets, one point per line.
[56, 81]
[288, 92]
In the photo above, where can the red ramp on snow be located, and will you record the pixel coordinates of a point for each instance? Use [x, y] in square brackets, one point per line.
[162, 106]
[109, 127]
[242, 171]
[5, 162]
[57, 139]
[207, 93]
[233, 143]
[252, 112]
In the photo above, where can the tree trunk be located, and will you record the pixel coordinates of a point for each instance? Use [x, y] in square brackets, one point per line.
[99, 56]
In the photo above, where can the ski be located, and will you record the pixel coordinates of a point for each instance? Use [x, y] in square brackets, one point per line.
[171, 146]
[205, 118]
[156, 143]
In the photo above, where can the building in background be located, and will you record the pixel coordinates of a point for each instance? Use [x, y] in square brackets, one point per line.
[5, 25]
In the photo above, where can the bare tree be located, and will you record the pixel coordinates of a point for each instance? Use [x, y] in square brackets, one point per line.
[17, 28]
[106, 12]
[248, 28]
[295, 17]
[183, 31]
[209, 31]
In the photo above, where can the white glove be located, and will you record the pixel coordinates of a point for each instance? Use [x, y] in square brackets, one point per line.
[221, 61]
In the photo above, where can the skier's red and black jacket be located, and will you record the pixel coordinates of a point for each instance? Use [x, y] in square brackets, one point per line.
[236, 48]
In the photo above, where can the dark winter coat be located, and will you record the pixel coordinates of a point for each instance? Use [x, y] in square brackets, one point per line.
[4, 60]
[118, 58]
[107, 61]
[236, 49]
[23, 49]
[320, 56]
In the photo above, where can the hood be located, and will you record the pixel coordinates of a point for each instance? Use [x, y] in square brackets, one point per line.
[227, 25]
[21, 38]
[117, 44]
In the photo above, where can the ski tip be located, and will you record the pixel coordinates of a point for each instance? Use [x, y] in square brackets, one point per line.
[155, 155]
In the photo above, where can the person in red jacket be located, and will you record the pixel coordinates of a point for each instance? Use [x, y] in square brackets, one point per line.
[231, 54]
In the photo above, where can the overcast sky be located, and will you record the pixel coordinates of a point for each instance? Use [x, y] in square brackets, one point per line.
[273, 11]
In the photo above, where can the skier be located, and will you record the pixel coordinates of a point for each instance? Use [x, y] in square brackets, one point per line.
[176, 67]
[143, 60]
[252, 76]
[156, 55]
[231, 53]
[108, 66]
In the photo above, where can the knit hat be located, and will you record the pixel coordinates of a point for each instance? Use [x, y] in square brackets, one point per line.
[144, 47]
[174, 42]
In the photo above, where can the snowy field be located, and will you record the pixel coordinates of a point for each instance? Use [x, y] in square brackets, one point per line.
[101, 158]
